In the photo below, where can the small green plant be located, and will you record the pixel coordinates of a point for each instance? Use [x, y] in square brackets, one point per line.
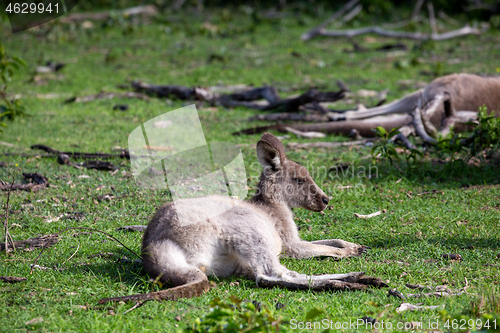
[8, 66]
[385, 146]
[236, 316]
[484, 138]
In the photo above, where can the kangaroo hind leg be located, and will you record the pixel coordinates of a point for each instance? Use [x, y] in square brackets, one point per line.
[167, 263]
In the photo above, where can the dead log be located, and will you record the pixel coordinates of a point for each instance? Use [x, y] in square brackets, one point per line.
[364, 127]
[268, 93]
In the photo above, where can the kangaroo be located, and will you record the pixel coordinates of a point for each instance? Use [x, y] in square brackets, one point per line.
[247, 239]
[448, 101]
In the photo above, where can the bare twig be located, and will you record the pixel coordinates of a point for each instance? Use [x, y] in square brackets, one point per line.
[178, 4]
[402, 23]
[6, 219]
[353, 13]
[432, 19]
[137, 305]
[312, 33]
[416, 10]
[71, 255]
[448, 19]
[380, 212]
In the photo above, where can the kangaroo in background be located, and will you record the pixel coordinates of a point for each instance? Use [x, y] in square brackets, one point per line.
[247, 239]
[448, 101]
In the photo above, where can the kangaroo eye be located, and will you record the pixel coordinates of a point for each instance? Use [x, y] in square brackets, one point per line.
[299, 181]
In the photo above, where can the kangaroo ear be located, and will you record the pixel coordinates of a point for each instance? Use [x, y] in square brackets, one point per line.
[270, 152]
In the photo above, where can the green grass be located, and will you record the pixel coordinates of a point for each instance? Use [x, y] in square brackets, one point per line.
[406, 242]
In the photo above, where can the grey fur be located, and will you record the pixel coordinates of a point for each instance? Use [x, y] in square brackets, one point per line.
[248, 238]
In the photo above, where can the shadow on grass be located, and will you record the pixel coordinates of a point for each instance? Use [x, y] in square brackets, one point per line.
[452, 242]
[449, 175]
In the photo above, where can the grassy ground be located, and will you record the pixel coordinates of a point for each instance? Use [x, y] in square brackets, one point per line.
[460, 216]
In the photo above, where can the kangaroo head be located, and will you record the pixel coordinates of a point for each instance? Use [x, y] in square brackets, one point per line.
[284, 181]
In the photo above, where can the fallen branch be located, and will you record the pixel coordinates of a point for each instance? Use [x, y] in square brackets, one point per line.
[432, 19]
[123, 153]
[412, 307]
[313, 32]
[295, 145]
[34, 243]
[164, 91]
[137, 305]
[40, 182]
[12, 279]
[448, 19]
[364, 126]
[244, 98]
[312, 95]
[149, 10]
[103, 95]
[401, 34]
[290, 116]
[308, 135]
[92, 164]
[352, 14]
[434, 294]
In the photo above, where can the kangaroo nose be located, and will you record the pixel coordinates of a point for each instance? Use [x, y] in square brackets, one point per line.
[325, 200]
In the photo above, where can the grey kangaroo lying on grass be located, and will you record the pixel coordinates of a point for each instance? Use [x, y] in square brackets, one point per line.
[247, 239]
[448, 101]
